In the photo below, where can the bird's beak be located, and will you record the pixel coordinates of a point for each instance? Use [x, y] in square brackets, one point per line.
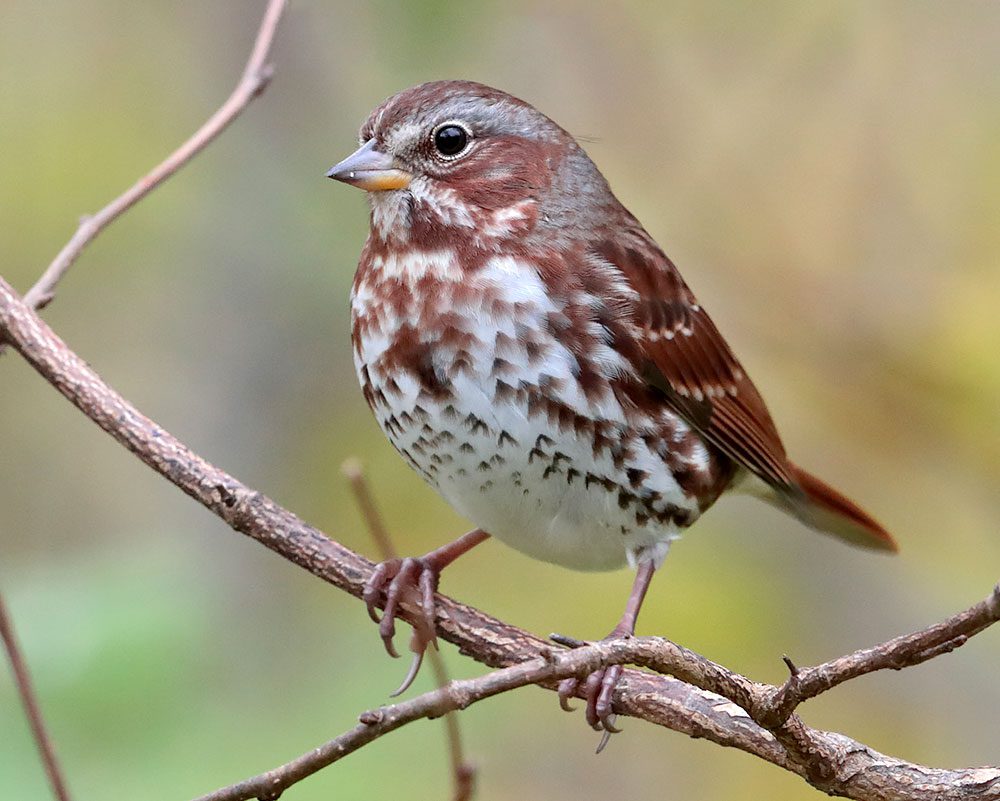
[371, 170]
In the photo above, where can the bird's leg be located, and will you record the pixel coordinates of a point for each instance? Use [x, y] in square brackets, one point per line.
[599, 686]
[420, 574]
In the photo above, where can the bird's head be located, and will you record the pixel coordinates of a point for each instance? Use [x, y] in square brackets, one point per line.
[461, 155]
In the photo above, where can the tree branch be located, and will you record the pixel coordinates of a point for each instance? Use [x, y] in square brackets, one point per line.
[704, 700]
[22, 678]
[254, 80]
[548, 668]
[895, 654]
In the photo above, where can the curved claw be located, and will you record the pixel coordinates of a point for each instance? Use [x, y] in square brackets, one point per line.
[567, 689]
[387, 632]
[606, 738]
[411, 674]
[609, 725]
[383, 573]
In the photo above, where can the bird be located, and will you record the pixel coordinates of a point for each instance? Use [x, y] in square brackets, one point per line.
[529, 349]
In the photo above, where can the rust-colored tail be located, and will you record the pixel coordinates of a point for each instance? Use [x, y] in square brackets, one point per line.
[827, 510]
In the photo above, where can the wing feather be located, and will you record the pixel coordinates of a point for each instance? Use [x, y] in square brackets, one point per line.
[679, 352]
[690, 362]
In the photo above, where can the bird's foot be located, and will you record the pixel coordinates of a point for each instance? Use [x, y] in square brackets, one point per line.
[399, 578]
[415, 579]
[597, 689]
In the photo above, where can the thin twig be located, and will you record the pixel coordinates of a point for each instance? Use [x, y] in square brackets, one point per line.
[708, 701]
[547, 668]
[32, 709]
[463, 773]
[452, 696]
[255, 78]
[894, 654]
[355, 474]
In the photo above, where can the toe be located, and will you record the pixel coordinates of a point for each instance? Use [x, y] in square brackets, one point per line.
[387, 630]
[604, 699]
[382, 574]
[591, 690]
[567, 690]
[428, 585]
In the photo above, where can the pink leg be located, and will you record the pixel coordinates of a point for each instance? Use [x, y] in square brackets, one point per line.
[397, 577]
[599, 686]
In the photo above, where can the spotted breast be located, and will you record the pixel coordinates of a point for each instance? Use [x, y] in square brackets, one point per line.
[507, 395]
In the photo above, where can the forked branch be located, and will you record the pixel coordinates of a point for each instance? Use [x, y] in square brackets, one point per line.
[254, 80]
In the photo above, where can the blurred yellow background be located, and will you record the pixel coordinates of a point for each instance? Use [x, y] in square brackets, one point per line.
[826, 175]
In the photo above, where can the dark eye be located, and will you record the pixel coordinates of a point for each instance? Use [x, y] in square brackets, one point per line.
[450, 139]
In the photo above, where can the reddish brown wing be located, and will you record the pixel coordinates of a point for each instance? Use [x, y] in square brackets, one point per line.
[688, 360]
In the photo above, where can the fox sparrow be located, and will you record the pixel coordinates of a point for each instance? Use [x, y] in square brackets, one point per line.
[529, 350]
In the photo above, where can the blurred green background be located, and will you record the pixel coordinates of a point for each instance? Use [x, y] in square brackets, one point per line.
[827, 175]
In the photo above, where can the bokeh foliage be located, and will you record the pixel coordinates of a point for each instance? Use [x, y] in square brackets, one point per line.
[827, 175]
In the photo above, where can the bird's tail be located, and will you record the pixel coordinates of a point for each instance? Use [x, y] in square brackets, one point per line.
[823, 508]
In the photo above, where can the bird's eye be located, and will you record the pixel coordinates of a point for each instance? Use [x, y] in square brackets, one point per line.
[450, 139]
